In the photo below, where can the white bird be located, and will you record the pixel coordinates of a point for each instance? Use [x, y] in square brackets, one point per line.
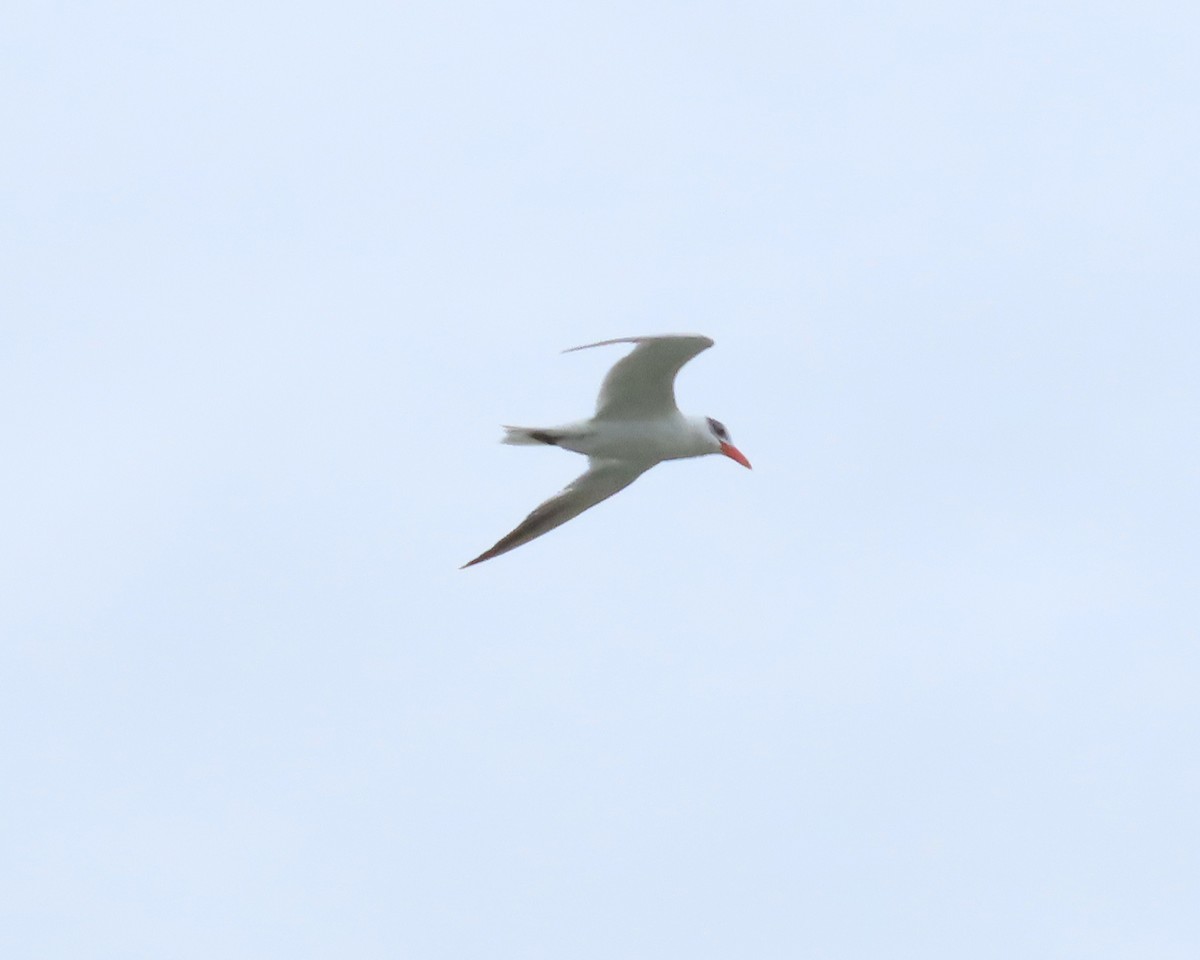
[636, 426]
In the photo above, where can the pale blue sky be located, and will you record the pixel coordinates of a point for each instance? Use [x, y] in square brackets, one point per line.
[922, 685]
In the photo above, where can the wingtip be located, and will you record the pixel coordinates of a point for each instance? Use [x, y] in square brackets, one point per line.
[708, 341]
[486, 555]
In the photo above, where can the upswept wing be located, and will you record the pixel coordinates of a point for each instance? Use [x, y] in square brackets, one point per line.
[602, 479]
[641, 386]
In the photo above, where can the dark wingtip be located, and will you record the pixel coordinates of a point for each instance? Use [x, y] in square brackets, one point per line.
[486, 555]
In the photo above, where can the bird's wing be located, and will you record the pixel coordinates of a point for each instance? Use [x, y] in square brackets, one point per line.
[641, 386]
[602, 479]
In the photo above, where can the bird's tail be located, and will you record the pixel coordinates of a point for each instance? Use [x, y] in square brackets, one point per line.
[530, 436]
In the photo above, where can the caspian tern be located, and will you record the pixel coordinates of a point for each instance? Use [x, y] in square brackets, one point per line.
[636, 426]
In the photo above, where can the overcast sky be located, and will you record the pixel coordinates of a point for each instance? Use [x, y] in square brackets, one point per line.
[924, 684]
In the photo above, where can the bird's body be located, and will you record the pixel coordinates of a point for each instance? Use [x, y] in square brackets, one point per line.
[636, 425]
[667, 438]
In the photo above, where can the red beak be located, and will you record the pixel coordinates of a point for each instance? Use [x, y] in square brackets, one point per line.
[733, 453]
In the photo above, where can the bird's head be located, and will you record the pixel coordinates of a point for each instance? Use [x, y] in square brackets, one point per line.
[720, 442]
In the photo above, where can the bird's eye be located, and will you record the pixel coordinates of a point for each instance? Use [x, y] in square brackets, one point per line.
[718, 429]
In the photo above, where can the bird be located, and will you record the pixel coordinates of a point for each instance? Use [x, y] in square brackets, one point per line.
[636, 426]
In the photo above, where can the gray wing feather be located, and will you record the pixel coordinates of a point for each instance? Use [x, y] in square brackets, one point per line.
[642, 384]
[602, 479]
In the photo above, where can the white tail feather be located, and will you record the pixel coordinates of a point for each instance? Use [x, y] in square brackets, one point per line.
[520, 437]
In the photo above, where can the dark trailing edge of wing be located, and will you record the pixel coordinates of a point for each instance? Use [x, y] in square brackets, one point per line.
[542, 520]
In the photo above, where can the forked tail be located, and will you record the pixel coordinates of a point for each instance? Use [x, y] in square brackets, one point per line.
[530, 436]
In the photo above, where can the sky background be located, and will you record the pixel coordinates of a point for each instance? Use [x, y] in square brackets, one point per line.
[924, 684]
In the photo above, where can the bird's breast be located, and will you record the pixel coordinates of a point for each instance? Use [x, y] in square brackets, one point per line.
[648, 440]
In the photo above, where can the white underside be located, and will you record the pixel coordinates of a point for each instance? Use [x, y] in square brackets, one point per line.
[637, 441]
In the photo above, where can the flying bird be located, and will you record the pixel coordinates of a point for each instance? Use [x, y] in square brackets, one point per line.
[636, 425]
